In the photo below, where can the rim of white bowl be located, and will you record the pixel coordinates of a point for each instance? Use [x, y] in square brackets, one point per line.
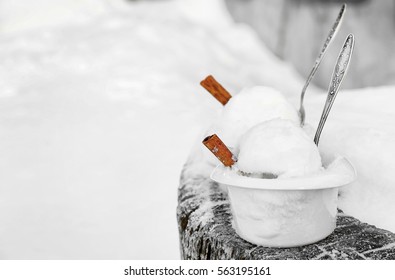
[338, 175]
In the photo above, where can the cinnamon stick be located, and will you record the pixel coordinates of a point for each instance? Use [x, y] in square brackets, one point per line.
[216, 89]
[219, 149]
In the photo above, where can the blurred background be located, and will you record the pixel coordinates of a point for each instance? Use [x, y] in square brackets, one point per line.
[100, 107]
[296, 29]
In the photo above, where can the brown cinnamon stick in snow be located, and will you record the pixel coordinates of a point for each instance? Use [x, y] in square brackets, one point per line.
[219, 149]
[216, 89]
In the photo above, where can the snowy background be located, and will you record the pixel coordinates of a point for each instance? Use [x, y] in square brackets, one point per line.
[100, 105]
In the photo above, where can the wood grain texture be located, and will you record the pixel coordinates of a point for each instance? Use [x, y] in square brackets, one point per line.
[216, 89]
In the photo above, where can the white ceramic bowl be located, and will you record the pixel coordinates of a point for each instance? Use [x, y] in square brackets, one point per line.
[285, 212]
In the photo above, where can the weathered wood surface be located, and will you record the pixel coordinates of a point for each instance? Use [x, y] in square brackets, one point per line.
[204, 221]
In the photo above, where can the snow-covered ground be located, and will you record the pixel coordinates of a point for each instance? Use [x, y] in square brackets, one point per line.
[98, 115]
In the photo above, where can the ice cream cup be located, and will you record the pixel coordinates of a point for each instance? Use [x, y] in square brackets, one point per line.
[285, 212]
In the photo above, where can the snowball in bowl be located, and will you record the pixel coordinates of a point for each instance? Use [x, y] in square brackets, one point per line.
[251, 106]
[279, 147]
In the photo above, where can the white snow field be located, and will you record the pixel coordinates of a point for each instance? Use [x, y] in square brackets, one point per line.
[100, 105]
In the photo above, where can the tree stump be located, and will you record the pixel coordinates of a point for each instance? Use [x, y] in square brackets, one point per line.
[206, 232]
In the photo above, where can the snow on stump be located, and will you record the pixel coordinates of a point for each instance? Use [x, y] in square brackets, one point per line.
[206, 232]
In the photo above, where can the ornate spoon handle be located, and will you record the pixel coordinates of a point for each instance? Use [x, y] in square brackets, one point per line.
[331, 35]
[342, 63]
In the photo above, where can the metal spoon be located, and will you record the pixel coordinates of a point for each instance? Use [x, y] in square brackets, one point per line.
[342, 63]
[328, 41]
